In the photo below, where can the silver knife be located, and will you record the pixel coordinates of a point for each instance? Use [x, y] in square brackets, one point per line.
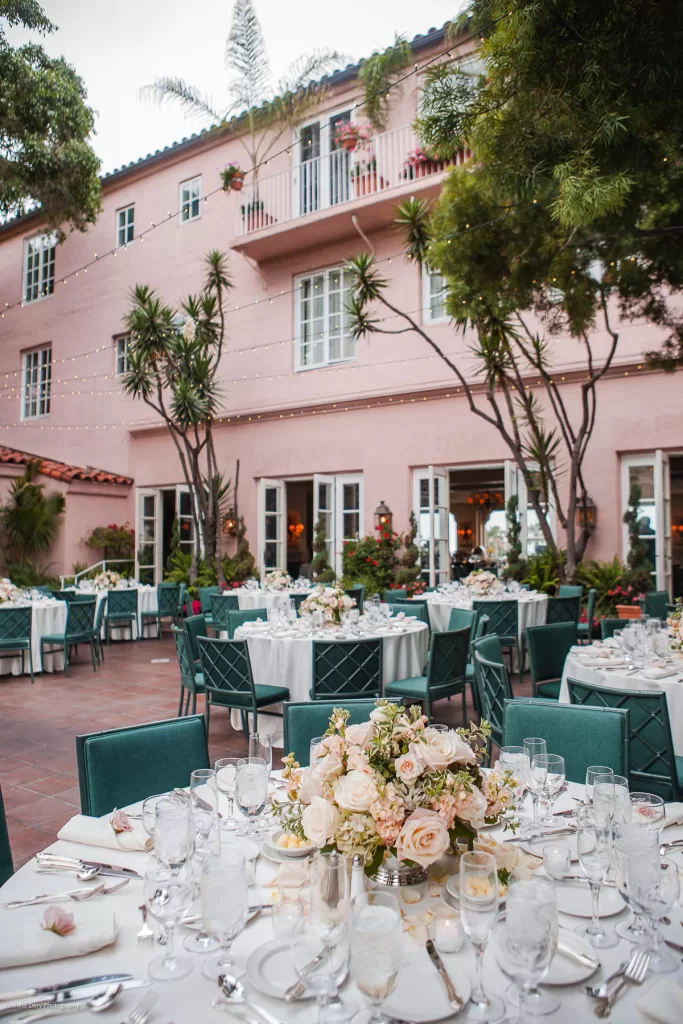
[546, 835]
[454, 1000]
[99, 979]
[66, 863]
[577, 956]
[65, 997]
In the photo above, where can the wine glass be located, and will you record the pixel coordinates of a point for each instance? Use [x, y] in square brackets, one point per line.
[603, 805]
[647, 811]
[526, 940]
[534, 745]
[174, 831]
[168, 893]
[313, 758]
[613, 791]
[655, 888]
[591, 772]
[594, 842]
[554, 781]
[538, 775]
[515, 759]
[261, 745]
[479, 910]
[226, 768]
[376, 944]
[631, 839]
[251, 792]
[321, 968]
[224, 897]
[204, 800]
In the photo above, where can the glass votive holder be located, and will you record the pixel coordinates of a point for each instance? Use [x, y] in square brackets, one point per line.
[557, 860]
[286, 916]
[447, 928]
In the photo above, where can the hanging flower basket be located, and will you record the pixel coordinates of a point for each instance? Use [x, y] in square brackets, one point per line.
[351, 136]
[233, 177]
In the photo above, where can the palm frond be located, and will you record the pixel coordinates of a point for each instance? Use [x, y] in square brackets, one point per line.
[309, 67]
[176, 90]
[377, 74]
[246, 59]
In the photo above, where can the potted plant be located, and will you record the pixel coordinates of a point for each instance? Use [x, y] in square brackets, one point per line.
[233, 177]
[364, 175]
[255, 216]
[417, 164]
[351, 136]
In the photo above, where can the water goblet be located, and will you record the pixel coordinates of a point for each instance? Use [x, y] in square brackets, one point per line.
[591, 772]
[526, 940]
[594, 843]
[224, 896]
[376, 944]
[479, 910]
[329, 972]
[175, 831]
[647, 811]
[631, 839]
[251, 792]
[515, 759]
[286, 916]
[655, 889]
[554, 781]
[226, 768]
[204, 801]
[261, 745]
[536, 781]
[168, 894]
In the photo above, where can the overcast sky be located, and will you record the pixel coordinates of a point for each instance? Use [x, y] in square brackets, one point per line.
[119, 47]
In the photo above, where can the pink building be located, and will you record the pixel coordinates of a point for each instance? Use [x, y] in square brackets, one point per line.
[318, 423]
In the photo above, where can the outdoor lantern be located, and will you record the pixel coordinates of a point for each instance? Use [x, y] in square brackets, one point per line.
[586, 514]
[230, 523]
[383, 517]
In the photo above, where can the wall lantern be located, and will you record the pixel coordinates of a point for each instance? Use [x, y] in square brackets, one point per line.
[383, 517]
[230, 523]
[586, 514]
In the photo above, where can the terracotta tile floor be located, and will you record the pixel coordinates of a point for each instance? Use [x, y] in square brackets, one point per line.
[39, 723]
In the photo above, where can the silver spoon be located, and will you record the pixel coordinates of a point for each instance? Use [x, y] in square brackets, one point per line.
[98, 1003]
[84, 874]
[234, 992]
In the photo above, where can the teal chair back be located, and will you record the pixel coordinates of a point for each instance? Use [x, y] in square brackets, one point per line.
[305, 720]
[417, 609]
[205, 594]
[227, 672]
[121, 766]
[400, 594]
[653, 763]
[6, 866]
[297, 600]
[462, 617]
[346, 668]
[239, 617]
[447, 664]
[80, 619]
[548, 647]
[43, 588]
[72, 596]
[122, 602]
[221, 604]
[481, 629]
[492, 682]
[655, 604]
[608, 626]
[195, 626]
[563, 609]
[15, 626]
[186, 662]
[590, 610]
[568, 590]
[99, 616]
[168, 599]
[357, 592]
[581, 735]
[503, 619]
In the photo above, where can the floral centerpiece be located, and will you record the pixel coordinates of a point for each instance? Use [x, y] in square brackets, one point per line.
[107, 580]
[331, 601]
[277, 580]
[392, 785]
[480, 583]
[8, 592]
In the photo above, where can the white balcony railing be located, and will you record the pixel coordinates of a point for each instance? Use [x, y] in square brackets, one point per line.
[326, 182]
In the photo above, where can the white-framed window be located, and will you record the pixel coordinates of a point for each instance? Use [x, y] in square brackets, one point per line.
[39, 267]
[433, 296]
[37, 382]
[121, 354]
[322, 323]
[125, 225]
[190, 194]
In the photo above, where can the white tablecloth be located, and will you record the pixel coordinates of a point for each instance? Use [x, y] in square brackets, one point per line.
[532, 610]
[265, 598]
[188, 1001]
[617, 678]
[288, 661]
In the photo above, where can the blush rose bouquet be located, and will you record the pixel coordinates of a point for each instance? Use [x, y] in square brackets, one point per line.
[107, 580]
[277, 580]
[395, 785]
[480, 583]
[331, 601]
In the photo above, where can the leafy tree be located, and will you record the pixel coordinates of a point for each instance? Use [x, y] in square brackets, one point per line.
[638, 574]
[45, 158]
[113, 541]
[322, 570]
[408, 573]
[515, 566]
[371, 561]
[29, 519]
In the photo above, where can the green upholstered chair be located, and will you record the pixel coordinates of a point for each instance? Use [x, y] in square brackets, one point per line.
[399, 594]
[481, 628]
[346, 668]
[191, 678]
[357, 593]
[221, 604]
[79, 629]
[417, 609]
[99, 625]
[6, 866]
[242, 615]
[654, 766]
[460, 618]
[121, 766]
[169, 605]
[304, 720]
[297, 600]
[15, 634]
[446, 673]
[563, 609]
[228, 681]
[492, 681]
[608, 626]
[504, 622]
[548, 647]
[569, 590]
[585, 629]
[655, 604]
[195, 626]
[122, 608]
[73, 595]
[205, 595]
[581, 735]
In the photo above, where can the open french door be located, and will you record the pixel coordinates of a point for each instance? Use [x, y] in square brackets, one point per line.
[348, 518]
[431, 503]
[324, 508]
[272, 517]
[663, 520]
[515, 484]
[148, 547]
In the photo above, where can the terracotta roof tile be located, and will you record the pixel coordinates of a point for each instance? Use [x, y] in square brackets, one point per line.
[62, 470]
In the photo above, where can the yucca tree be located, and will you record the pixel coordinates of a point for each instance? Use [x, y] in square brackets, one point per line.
[30, 518]
[266, 109]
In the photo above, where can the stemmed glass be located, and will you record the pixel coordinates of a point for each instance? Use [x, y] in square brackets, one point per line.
[251, 792]
[204, 801]
[594, 842]
[655, 888]
[329, 895]
[226, 769]
[168, 894]
[478, 911]
[376, 948]
[224, 896]
[261, 745]
[526, 940]
[329, 972]
[538, 776]
[591, 773]
[174, 832]
[516, 760]
[647, 811]
[630, 840]
[534, 745]
[554, 781]
[611, 798]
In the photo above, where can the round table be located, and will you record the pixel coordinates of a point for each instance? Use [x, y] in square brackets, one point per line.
[619, 680]
[281, 657]
[532, 611]
[190, 998]
[267, 599]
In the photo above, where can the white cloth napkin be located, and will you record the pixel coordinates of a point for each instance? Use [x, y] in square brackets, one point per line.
[662, 1001]
[602, 662]
[23, 941]
[673, 815]
[660, 673]
[586, 649]
[98, 832]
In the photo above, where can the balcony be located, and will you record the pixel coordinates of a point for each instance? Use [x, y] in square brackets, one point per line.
[313, 201]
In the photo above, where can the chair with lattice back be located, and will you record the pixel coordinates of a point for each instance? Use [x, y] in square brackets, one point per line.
[654, 766]
[221, 604]
[229, 682]
[169, 605]
[346, 668]
[492, 682]
[191, 678]
[205, 595]
[411, 609]
[122, 610]
[446, 673]
[563, 609]
[15, 634]
[504, 623]
[608, 627]
[79, 629]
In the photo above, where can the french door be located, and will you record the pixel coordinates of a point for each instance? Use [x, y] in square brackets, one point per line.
[431, 503]
[663, 519]
[148, 547]
[157, 509]
[324, 509]
[322, 172]
[515, 486]
[652, 474]
[272, 505]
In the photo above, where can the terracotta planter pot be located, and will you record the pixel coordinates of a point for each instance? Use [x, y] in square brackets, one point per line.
[628, 611]
[368, 183]
[348, 144]
[236, 184]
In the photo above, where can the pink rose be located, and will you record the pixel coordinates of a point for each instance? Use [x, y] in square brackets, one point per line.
[437, 750]
[361, 734]
[311, 785]
[423, 839]
[408, 768]
[120, 823]
[57, 920]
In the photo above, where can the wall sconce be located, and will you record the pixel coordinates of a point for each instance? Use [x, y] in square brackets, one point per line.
[383, 517]
[586, 514]
[230, 523]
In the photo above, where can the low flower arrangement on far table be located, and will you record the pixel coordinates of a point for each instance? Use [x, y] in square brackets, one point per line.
[277, 580]
[8, 592]
[394, 786]
[331, 601]
[481, 583]
[107, 580]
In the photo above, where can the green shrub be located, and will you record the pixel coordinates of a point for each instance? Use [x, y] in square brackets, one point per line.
[542, 572]
[371, 561]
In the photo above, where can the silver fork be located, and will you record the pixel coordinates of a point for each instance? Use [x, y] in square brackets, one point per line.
[145, 934]
[635, 972]
[142, 1011]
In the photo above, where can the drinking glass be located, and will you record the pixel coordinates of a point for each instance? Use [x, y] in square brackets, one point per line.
[479, 910]
[261, 745]
[251, 792]
[149, 812]
[647, 811]
[376, 945]
[630, 840]
[591, 772]
[526, 940]
[655, 889]
[534, 745]
[538, 775]
[313, 757]
[174, 831]
[286, 917]
[329, 972]
[204, 800]
[516, 760]
[224, 896]
[226, 768]
[601, 809]
[611, 793]
[594, 842]
[168, 893]
[554, 781]
[557, 860]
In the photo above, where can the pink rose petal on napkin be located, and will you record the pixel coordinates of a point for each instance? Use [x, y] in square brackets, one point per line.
[120, 823]
[57, 920]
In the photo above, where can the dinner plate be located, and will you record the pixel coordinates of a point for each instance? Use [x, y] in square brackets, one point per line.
[564, 969]
[420, 994]
[271, 971]
[300, 853]
[574, 898]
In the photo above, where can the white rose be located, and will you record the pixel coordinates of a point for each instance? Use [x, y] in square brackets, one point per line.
[424, 838]
[329, 766]
[320, 821]
[311, 785]
[360, 734]
[473, 808]
[347, 601]
[439, 749]
[379, 716]
[408, 768]
[356, 791]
